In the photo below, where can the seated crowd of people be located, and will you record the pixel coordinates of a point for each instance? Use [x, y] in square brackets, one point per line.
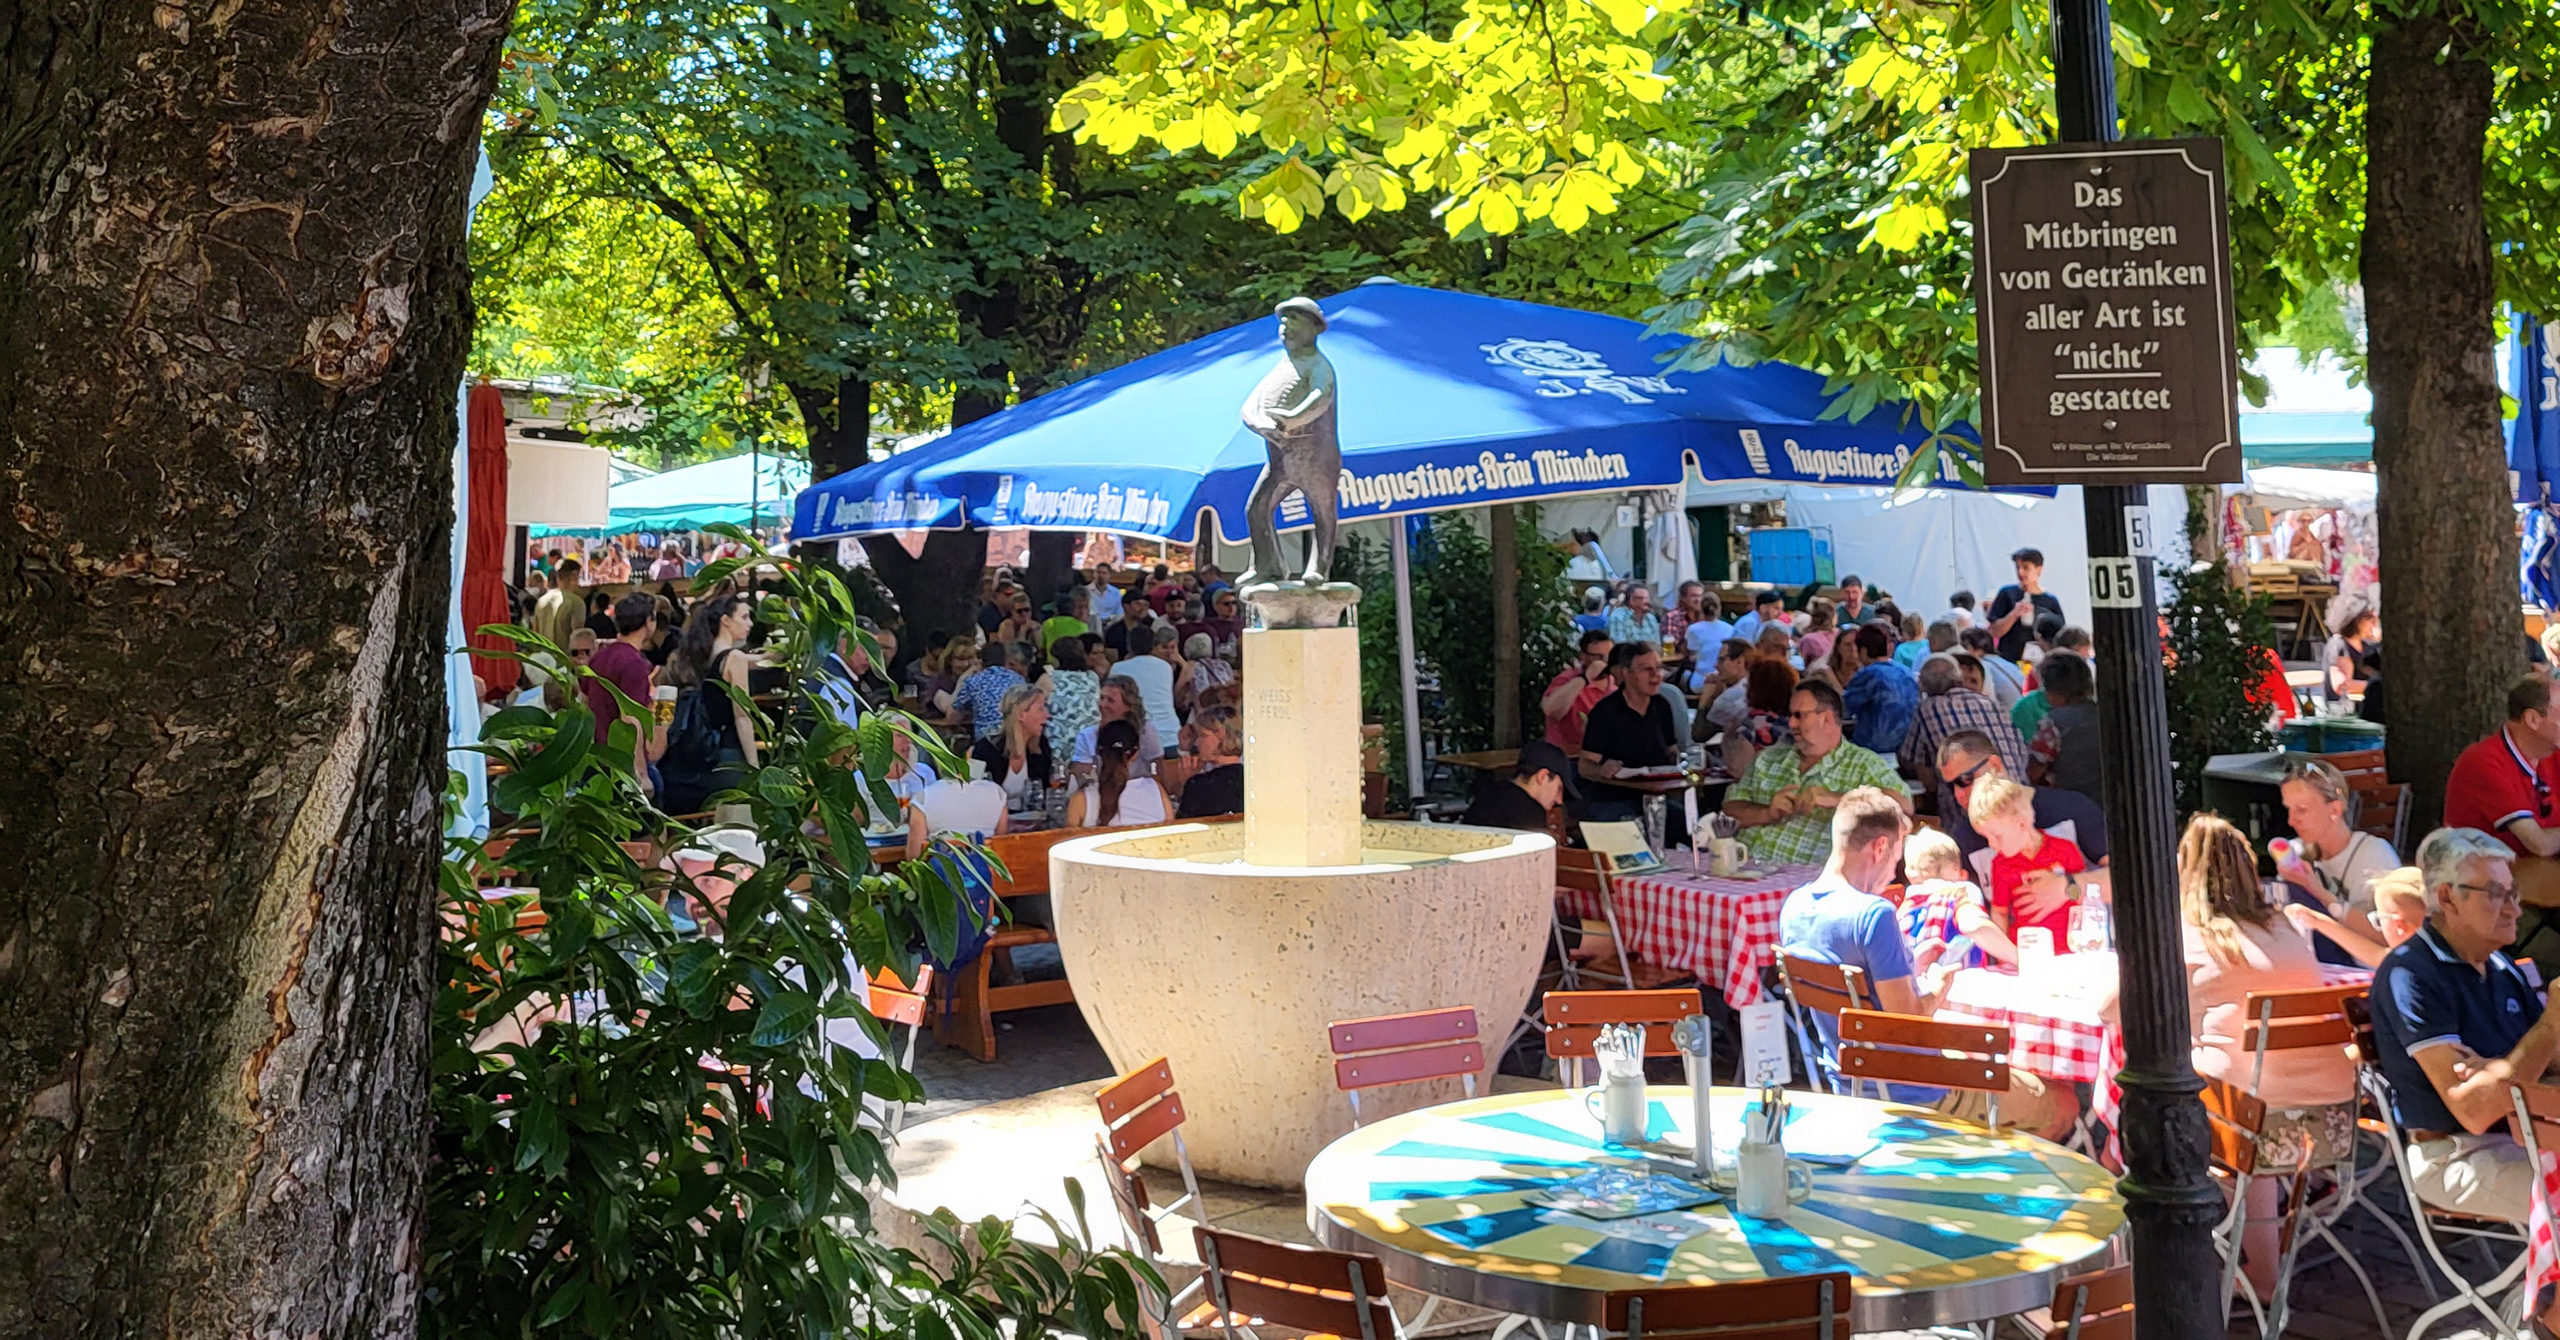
[1802, 707]
[1112, 705]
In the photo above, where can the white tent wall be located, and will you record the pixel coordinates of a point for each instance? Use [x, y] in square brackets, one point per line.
[1924, 546]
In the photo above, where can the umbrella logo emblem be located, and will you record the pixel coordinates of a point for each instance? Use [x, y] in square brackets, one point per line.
[1562, 370]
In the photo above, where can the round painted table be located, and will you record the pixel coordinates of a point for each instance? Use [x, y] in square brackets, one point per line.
[1940, 1221]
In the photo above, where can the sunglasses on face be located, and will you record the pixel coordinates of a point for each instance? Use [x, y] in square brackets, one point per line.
[1964, 780]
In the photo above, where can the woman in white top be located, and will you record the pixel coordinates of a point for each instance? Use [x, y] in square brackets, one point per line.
[1117, 799]
[973, 809]
[2332, 863]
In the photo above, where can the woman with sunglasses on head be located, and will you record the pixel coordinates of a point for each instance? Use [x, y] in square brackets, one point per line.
[2330, 865]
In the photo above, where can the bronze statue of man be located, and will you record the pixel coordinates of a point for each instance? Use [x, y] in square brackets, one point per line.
[1293, 409]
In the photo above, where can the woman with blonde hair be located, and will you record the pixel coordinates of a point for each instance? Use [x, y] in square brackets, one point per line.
[2237, 944]
[1017, 755]
[2328, 863]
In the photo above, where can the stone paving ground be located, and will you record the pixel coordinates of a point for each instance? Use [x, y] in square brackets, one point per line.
[1043, 1049]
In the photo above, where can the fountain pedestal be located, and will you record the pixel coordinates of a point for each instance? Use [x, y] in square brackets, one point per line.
[1227, 949]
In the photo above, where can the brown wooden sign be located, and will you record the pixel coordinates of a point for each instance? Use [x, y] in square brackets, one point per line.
[2102, 299]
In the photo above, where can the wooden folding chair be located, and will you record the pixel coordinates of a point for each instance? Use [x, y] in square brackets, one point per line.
[894, 1003]
[1587, 871]
[2234, 1120]
[1256, 1281]
[1825, 989]
[1138, 1109]
[1405, 1049]
[1799, 1307]
[1907, 1049]
[2381, 809]
[2308, 1019]
[1573, 1019]
[2097, 1305]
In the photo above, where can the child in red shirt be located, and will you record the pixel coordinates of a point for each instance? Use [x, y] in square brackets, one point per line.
[2004, 813]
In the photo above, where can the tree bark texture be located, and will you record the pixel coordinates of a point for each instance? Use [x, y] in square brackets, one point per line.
[1503, 537]
[937, 590]
[2448, 533]
[233, 317]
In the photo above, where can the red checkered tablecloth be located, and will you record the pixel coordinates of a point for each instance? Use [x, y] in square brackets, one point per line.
[1720, 929]
[2058, 1024]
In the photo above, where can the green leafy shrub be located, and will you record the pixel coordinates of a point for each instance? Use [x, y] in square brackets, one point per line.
[2220, 641]
[643, 1131]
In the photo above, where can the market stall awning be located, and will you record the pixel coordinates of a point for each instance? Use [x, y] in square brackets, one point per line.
[1448, 400]
[741, 490]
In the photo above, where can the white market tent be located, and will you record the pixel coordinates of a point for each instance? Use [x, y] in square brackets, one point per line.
[1926, 546]
[739, 490]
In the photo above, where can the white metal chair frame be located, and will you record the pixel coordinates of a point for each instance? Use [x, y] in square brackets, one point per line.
[1568, 972]
[2466, 1294]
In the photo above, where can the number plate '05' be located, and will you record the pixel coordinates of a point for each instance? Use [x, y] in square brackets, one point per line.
[2113, 584]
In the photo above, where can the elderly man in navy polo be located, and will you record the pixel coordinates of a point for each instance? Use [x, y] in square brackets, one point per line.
[2458, 1024]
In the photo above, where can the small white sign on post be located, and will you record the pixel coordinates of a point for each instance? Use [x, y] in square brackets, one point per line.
[2114, 584]
[1764, 1045]
[2137, 531]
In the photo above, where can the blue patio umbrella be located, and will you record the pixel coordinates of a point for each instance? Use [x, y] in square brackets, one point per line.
[2533, 457]
[1448, 400]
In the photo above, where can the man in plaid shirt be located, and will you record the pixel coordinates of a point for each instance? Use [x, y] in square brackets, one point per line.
[1784, 803]
[1948, 708]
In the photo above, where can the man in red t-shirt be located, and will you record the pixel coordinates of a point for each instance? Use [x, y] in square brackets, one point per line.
[2505, 785]
[622, 664]
[1577, 689]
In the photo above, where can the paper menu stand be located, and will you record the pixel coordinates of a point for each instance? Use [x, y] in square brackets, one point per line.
[1622, 845]
[1765, 1062]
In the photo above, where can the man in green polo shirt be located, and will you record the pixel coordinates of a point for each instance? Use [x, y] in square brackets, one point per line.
[1784, 802]
[1066, 618]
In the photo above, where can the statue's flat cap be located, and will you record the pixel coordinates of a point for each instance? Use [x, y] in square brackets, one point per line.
[1306, 305]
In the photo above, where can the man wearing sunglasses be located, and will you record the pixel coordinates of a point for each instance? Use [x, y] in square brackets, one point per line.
[1964, 760]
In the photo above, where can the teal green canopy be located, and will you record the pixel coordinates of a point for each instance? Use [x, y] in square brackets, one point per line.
[2293, 437]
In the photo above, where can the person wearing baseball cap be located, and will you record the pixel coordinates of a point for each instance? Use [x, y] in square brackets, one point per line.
[1542, 779]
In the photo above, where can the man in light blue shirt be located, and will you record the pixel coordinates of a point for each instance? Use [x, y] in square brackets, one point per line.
[1635, 621]
[1766, 607]
[1842, 918]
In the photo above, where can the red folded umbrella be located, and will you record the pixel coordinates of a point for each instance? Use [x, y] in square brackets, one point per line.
[484, 563]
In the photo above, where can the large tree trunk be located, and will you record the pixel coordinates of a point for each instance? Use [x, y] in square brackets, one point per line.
[233, 314]
[1503, 535]
[1052, 566]
[937, 590]
[2454, 635]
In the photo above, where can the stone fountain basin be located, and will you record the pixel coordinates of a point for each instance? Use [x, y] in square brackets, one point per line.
[1178, 948]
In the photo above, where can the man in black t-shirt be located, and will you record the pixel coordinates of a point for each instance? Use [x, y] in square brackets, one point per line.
[2015, 610]
[1543, 777]
[1133, 614]
[1631, 728]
